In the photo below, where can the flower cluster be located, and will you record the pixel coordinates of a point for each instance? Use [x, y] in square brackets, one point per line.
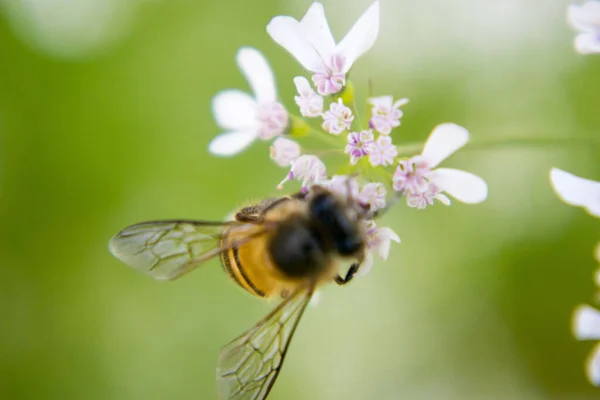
[584, 193]
[369, 155]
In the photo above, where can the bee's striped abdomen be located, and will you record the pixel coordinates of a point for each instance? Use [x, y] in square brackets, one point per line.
[233, 266]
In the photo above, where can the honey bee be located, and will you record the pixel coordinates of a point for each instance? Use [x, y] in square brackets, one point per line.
[281, 247]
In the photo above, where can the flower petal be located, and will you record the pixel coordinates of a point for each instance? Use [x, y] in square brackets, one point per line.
[443, 141]
[288, 33]
[463, 186]
[230, 143]
[386, 236]
[366, 265]
[586, 323]
[317, 30]
[593, 366]
[382, 101]
[258, 73]
[234, 109]
[361, 36]
[302, 85]
[585, 18]
[587, 43]
[576, 191]
[400, 102]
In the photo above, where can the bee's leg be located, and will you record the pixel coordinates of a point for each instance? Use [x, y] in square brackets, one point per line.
[349, 275]
[256, 214]
[248, 214]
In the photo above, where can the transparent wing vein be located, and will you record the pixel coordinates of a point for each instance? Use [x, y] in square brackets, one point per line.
[168, 249]
[249, 365]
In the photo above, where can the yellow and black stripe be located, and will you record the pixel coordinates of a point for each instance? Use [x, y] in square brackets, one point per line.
[234, 268]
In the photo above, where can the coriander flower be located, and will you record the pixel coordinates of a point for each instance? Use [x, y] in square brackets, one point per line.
[586, 19]
[422, 198]
[586, 326]
[373, 194]
[384, 152]
[310, 103]
[284, 151]
[421, 183]
[247, 118]
[360, 144]
[306, 168]
[310, 41]
[338, 118]
[576, 191]
[386, 113]
[378, 242]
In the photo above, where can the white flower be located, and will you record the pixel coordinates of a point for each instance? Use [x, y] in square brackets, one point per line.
[586, 326]
[310, 103]
[424, 197]
[310, 41]
[384, 152]
[386, 113]
[284, 151]
[418, 179]
[244, 117]
[306, 168]
[586, 19]
[378, 242]
[576, 191]
[359, 145]
[586, 323]
[593, 366]
[338, 118]
[373, 194]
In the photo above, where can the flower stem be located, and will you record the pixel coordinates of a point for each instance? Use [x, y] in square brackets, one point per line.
[490, 143]
[326, 138]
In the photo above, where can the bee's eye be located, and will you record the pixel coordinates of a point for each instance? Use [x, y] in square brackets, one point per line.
[338, 227]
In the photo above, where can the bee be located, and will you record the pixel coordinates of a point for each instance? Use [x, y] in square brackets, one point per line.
[281, 247]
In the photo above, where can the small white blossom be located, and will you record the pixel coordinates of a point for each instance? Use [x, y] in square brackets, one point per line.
[359, 145]
[586, 326]
[576, 191]
[384, 152]
[373, 194]
[244, 117]
[310, 103]
[306, 168]
[586, 19]
[421, 183]
[386, 113]
[310, 41]
[338, 118]
[284, 151]
[425, 197]
[378, 242]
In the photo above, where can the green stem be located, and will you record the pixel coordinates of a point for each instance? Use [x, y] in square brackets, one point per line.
[326, 138]
[357, 115]
[416, 147]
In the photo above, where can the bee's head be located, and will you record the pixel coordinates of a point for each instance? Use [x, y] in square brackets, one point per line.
[338, 221]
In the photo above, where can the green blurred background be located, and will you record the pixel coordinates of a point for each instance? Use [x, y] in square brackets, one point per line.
[105, 119]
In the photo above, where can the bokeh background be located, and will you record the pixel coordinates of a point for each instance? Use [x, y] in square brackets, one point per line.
[105, 119]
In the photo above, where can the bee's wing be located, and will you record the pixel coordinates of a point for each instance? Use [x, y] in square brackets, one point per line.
[166, 250]
[248, 366]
